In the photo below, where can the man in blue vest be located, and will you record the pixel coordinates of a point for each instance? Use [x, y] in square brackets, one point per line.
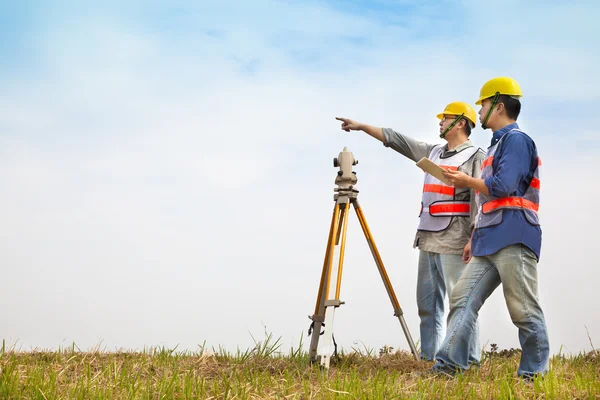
[507, 238]
[447, 215]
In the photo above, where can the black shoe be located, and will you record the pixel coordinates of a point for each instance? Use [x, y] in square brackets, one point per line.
[444, 372]
[530, 378]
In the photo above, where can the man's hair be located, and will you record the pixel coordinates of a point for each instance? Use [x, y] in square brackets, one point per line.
[512, 106]
[467, 127]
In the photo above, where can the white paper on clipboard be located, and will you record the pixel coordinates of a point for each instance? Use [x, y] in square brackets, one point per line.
[433, 169]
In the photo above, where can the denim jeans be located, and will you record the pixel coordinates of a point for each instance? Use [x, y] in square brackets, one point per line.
[437, 275]
[515, 267]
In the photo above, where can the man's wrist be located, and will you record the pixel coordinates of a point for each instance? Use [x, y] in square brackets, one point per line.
[471, 182]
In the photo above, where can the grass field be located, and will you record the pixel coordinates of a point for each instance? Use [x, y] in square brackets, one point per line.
[263, 372]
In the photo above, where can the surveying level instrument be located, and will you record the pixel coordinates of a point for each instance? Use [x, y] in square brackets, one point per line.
[345, 193]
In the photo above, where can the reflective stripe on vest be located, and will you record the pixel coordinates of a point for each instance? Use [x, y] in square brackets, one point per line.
[509, 202]
[449, 208]
[487, 162]
[440, 202]
[443, 189]
[491, 208]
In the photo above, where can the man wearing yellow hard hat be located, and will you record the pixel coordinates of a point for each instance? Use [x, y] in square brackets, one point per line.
[507, 238]
[446, 218]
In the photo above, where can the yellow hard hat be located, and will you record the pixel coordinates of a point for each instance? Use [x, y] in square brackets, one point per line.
[460, 108]
[501, 85]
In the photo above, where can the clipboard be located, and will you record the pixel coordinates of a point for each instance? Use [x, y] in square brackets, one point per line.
[433, 169]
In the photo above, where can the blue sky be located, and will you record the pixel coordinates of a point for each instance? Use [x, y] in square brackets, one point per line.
[162, 158]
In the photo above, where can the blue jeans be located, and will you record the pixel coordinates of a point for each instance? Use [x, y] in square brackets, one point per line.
[516, 268]
[437, 275]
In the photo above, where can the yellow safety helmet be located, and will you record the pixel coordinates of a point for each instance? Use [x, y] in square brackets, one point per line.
[460, 108]
[500, 85]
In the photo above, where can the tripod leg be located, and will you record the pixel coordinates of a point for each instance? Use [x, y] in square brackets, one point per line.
[384, 276]
[319, 315]
[328, 345]
[344, 228]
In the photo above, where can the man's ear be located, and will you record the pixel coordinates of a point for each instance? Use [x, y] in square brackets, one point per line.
[500, 107]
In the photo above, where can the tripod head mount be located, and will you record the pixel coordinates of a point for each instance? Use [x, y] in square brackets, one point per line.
[346, 178]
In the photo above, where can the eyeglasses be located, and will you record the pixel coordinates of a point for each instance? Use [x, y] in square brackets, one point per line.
[445, 118]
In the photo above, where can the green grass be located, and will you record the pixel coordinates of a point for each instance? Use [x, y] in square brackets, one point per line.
[263, 372]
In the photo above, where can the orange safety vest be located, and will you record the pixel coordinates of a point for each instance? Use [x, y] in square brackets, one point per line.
[490, 207]
[440, 202]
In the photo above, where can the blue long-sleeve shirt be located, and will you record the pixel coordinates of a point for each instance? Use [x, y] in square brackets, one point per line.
[513, 165]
